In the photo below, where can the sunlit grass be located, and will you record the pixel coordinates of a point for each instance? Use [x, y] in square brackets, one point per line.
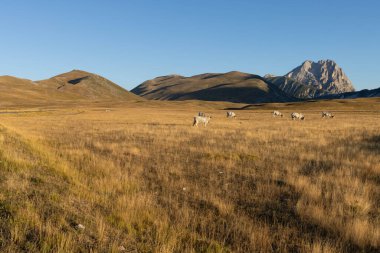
[145, 180]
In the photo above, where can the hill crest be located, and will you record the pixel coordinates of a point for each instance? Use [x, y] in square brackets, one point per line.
[75, 85]
[233, 86]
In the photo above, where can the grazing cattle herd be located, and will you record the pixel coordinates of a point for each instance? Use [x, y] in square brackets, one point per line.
[204, 119]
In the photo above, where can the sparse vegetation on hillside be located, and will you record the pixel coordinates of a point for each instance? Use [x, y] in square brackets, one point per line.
[233, 86]
[140, 178]
[74, 86]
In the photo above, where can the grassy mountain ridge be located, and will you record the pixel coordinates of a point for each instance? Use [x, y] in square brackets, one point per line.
[75, 85]
[231, 86]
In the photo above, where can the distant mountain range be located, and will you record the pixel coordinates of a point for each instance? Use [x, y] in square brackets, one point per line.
[357, 94]
[296, 89]
[303, 91]
[310, 80]
[324, 74]
[323, 79]
[75, 85]
[232, 86]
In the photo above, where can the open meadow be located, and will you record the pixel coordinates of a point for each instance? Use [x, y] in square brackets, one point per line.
[140, 178]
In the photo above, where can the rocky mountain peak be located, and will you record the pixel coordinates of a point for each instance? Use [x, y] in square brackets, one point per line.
[324, 74]
[269, 76]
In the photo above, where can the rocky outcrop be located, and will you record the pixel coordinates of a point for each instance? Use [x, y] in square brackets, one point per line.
[325, 75]
[296, 89]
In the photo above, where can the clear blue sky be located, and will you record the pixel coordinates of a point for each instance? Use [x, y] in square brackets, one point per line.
[130, 41]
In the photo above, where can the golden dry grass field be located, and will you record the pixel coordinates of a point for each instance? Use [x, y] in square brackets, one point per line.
[140, 178]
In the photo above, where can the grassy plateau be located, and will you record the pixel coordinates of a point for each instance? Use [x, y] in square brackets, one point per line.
[140, 178]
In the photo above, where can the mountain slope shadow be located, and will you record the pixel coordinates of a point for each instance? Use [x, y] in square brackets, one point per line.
[230, 94]
[77, 80]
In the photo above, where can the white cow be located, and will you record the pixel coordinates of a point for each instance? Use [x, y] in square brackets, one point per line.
[296, 115]
[231, 115]
[327, 115]
[277, 113]
[201, 119]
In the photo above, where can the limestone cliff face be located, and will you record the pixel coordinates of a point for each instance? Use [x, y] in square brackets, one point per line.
[325, 75]
[296, 89]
